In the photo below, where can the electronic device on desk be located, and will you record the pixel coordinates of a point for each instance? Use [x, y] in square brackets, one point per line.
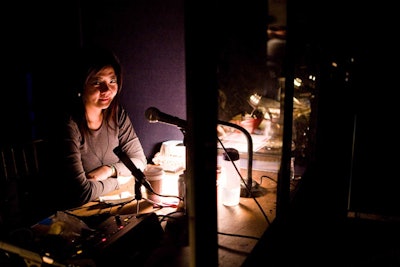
[125, 239]
[172, 156]
[66, 240]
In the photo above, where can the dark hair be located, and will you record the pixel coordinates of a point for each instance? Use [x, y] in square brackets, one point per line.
[91, 60]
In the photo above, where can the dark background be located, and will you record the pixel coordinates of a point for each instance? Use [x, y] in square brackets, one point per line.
[355, 147]
[147, 36]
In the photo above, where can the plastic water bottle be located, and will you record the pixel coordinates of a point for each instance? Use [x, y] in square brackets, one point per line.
[230, 182]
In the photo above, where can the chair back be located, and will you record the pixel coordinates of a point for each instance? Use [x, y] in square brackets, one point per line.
[20, 174]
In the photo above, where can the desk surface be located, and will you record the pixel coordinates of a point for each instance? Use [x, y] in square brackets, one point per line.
[239, 227]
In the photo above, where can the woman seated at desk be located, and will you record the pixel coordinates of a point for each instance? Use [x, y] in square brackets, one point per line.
[85, 165]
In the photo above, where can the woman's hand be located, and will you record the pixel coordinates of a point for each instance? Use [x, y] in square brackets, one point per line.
[100, 174]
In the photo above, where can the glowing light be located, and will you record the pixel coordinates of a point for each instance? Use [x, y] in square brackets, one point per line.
[255, 100]
[47, 260]
[297, 82]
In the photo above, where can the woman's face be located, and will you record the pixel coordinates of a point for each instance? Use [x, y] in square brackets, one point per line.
[100, 89]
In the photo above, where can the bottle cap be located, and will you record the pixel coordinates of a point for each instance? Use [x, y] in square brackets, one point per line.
[232, 153]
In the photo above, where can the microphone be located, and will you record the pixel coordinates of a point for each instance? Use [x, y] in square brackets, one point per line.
[154, 115]
[139, 175]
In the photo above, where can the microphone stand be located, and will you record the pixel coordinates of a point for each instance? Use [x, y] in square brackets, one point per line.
[138, 195]
[140, 178]
[252, 186]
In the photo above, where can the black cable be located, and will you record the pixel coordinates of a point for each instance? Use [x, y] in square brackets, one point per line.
[237, 235]
[268, 177]
[173, 196]
[169, 215]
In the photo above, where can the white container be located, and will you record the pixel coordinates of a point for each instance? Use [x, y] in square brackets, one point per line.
[230, 180]
[154, 174]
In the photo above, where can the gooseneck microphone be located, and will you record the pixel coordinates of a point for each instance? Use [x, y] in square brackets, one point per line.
[154, 115]
[139, 175]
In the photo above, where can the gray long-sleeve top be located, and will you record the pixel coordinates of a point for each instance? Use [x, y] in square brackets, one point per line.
[83, 153]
